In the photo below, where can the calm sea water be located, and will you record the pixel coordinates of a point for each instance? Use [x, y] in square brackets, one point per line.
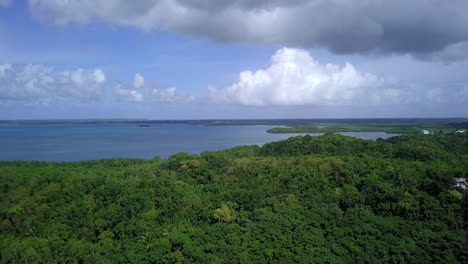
[88, 142]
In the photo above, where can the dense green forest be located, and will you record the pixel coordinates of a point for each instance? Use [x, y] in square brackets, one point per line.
[327, 199]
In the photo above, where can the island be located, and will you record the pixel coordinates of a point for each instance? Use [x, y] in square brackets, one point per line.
[389, 127]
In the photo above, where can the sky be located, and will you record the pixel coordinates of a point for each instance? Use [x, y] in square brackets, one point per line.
[233, 59]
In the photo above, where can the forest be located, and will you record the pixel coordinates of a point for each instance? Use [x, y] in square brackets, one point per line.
[325, 199]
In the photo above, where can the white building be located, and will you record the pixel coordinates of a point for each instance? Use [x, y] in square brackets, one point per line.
[461, 182]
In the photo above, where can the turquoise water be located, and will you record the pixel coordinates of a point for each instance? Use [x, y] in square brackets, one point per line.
[97, 141]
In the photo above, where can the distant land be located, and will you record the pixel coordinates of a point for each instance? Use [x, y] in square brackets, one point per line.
[237, 122]
[388, 125]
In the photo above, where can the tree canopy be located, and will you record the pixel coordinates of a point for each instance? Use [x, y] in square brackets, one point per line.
[326, 199]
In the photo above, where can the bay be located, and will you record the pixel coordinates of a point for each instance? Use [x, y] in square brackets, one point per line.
[75, 142]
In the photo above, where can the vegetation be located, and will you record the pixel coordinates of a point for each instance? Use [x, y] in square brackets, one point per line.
[327, 199]
[394, 128]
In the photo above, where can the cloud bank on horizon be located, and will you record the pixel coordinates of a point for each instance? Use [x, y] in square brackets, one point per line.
[292, 78]
[426, 29]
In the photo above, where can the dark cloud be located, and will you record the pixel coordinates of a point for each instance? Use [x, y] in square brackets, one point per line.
[451, 53]
[418, 27]
[210, 5]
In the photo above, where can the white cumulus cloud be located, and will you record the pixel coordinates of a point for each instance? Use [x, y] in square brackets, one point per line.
[138, 81]
[295, 78]
[39, 82]
[128, 94]
[99, 76]
[139, 91]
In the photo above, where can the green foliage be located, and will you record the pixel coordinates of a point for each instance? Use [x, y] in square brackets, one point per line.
[224, 214]
[327, 199]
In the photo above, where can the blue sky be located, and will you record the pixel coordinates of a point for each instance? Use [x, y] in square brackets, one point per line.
[230, 59]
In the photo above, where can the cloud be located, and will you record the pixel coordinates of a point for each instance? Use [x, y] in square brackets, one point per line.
[99, 76]
[451, 53]
[4, 3]
[139, 92]
[126, 94]
[417, 27]
[42, 83]
[139, 81]
[295, 78]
